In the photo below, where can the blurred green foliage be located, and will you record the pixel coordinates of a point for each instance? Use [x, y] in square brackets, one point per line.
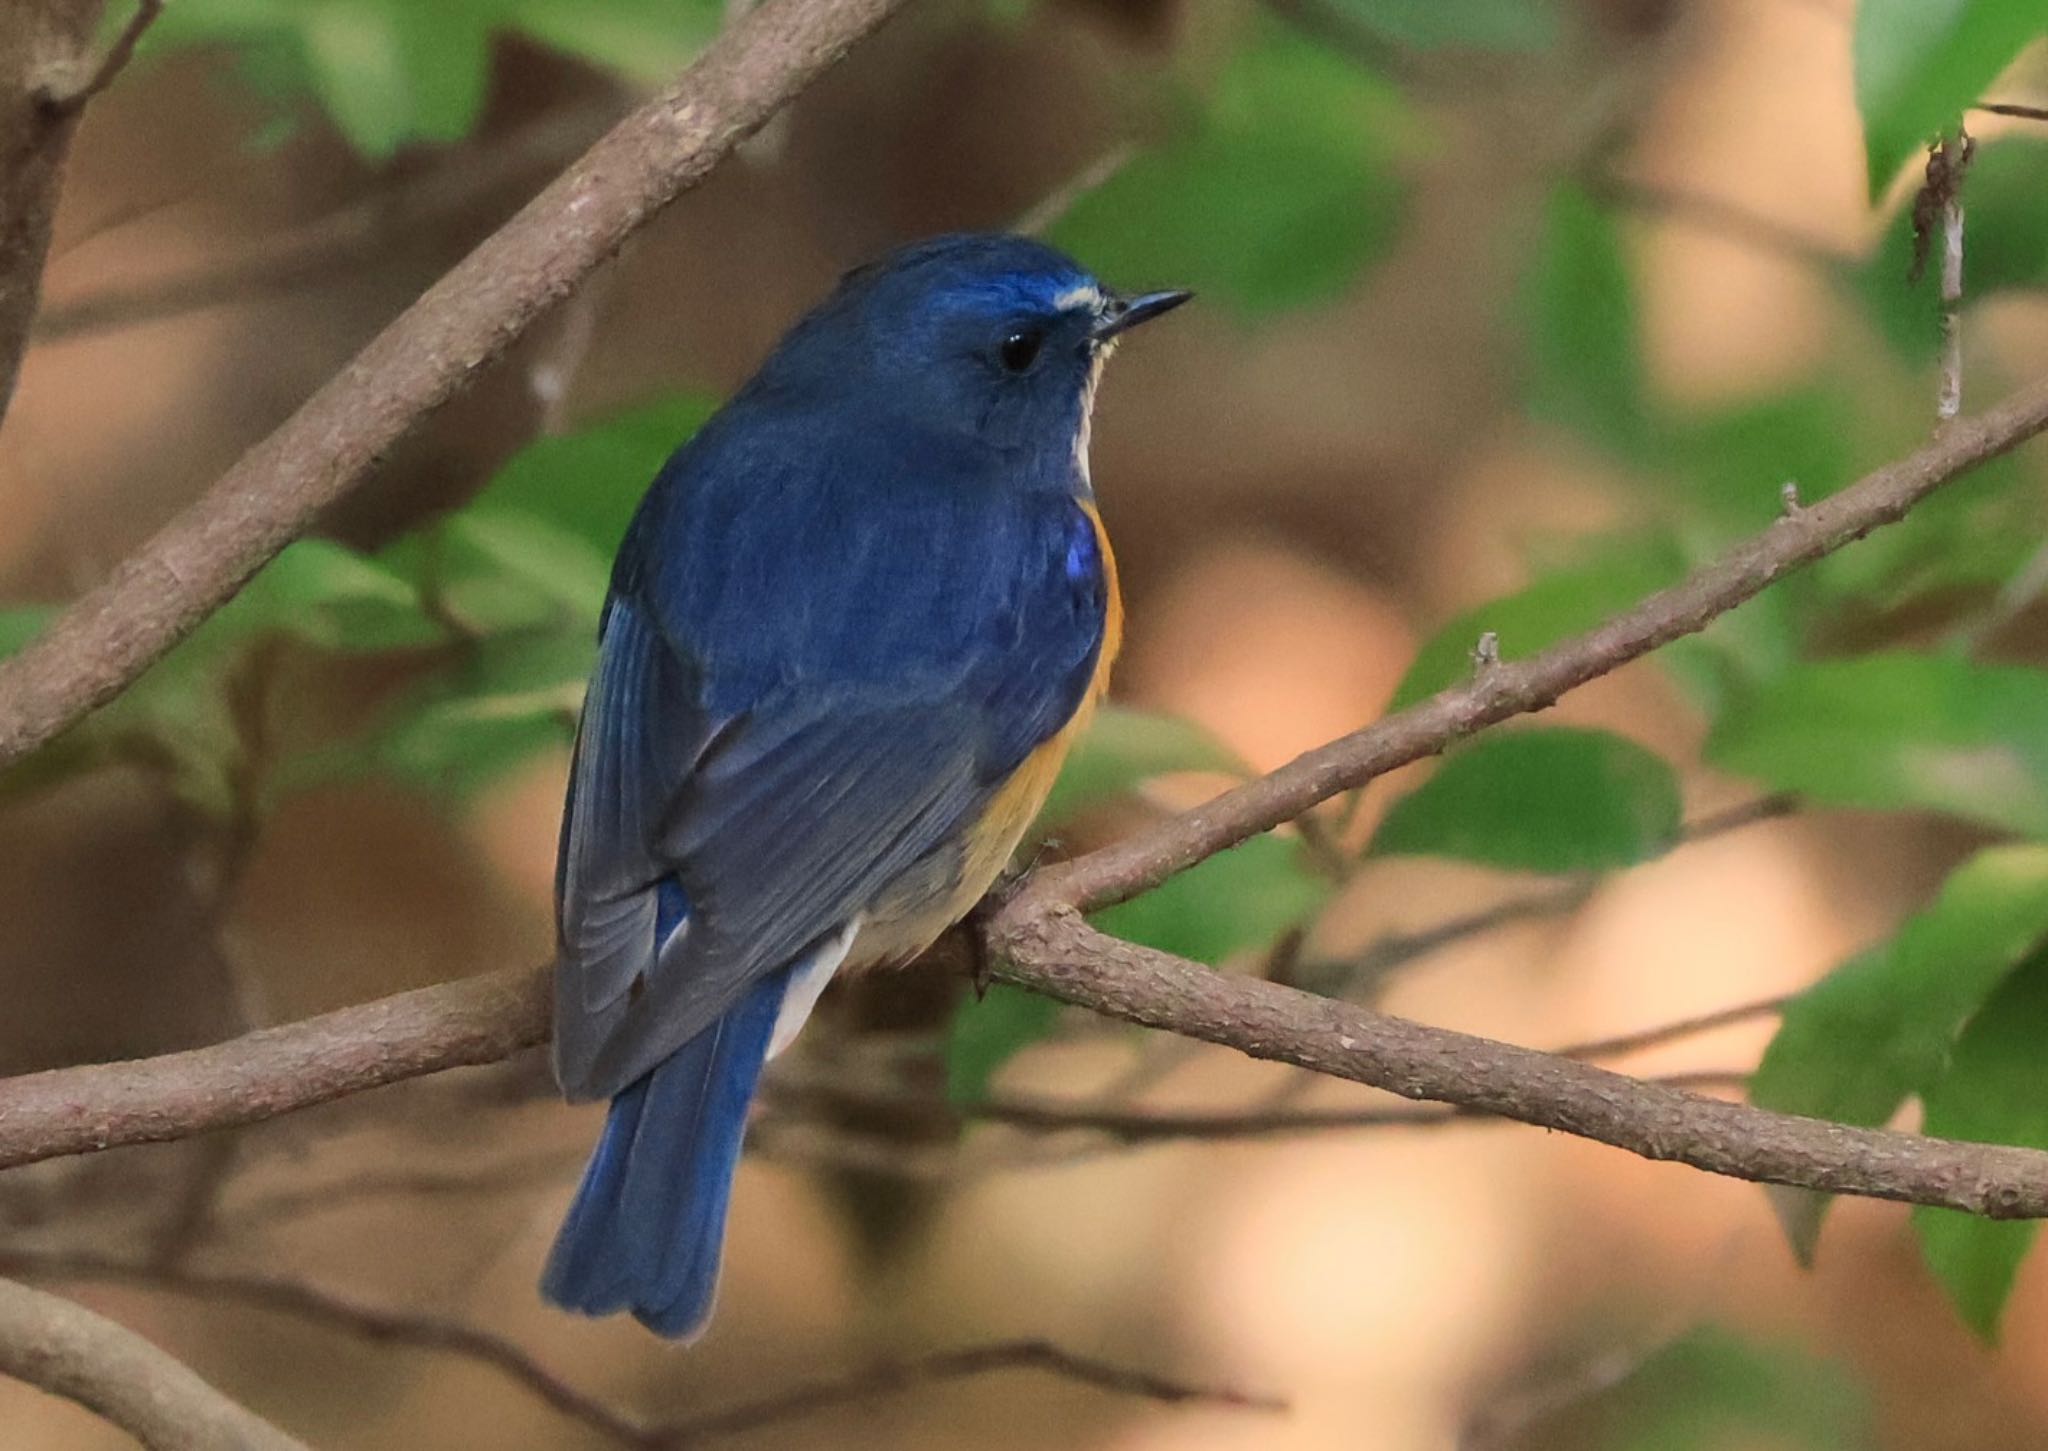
[1275, 189]
[1712, 1389]
[1896, 731]
[1879, 1028]
[1584, 370]
[1994, 1089]
[1509, 26]
[1272, 182]
[1236, 900]
[1539, 801]
[1122, 750]
[990, 1030]
[388, 73]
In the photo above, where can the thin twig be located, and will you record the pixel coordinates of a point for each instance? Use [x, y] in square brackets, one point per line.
[1517, 687]
[67, 1350]
[2009, 108]
[1721, 216]
[1149, 1126]
[1366, 972]
[1504, 1423]
[111, 64]
[1939, 206]
[532, 1171]
[1643, 1039]
[899, 1376]
[1047, 212]
[405, 1327]
[1773, 807]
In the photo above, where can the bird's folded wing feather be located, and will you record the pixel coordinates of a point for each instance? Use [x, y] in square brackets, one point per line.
[778, 826]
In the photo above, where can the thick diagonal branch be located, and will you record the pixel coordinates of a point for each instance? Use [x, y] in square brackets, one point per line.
[154, 598]
[1055, 952]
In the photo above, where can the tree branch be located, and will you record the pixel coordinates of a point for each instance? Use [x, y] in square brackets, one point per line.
[68, 1351]
[98, 646]
[40, 41]
[272, 1071]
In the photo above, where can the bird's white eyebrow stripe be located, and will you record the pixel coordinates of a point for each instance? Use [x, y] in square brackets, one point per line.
[1087, 295]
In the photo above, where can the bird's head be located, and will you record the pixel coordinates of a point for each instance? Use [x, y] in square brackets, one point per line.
[997, 338]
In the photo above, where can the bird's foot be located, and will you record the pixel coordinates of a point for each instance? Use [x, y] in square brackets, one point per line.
[981, 963]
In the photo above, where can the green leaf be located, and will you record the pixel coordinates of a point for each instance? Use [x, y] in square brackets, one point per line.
[1713, 1389]
[1584, 361]
[986, 1034]
[643, 40]
[1554, 607]
[1125, 748]
[1994, 1091]
[1242, 898]
[588, 482]
[516, 697]
[1516, 26]
[504, 570]
[1734, 462]
[1754, 642]
[1278, 193]
[177, 714]
[331, 597]
[1899, 732]
[390, 72]
[1878, 1028]
[179, 718]
[1920, 63]
[1966, 541]
[1543, 800]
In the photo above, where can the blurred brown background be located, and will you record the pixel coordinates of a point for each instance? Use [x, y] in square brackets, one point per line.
[1295, 505]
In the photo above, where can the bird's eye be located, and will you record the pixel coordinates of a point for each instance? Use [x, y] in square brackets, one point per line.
[1019, 349]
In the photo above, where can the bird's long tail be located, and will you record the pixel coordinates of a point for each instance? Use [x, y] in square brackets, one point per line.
[647, 1226]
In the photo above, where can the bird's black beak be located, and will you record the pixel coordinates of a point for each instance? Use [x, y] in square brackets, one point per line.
[1123, 314]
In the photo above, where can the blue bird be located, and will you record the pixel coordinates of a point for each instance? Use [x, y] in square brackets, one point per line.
[854, 627]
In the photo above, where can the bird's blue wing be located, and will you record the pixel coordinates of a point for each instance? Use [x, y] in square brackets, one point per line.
[634, 743]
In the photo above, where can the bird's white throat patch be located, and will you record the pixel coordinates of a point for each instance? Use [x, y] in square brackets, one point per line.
[1081, 434]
